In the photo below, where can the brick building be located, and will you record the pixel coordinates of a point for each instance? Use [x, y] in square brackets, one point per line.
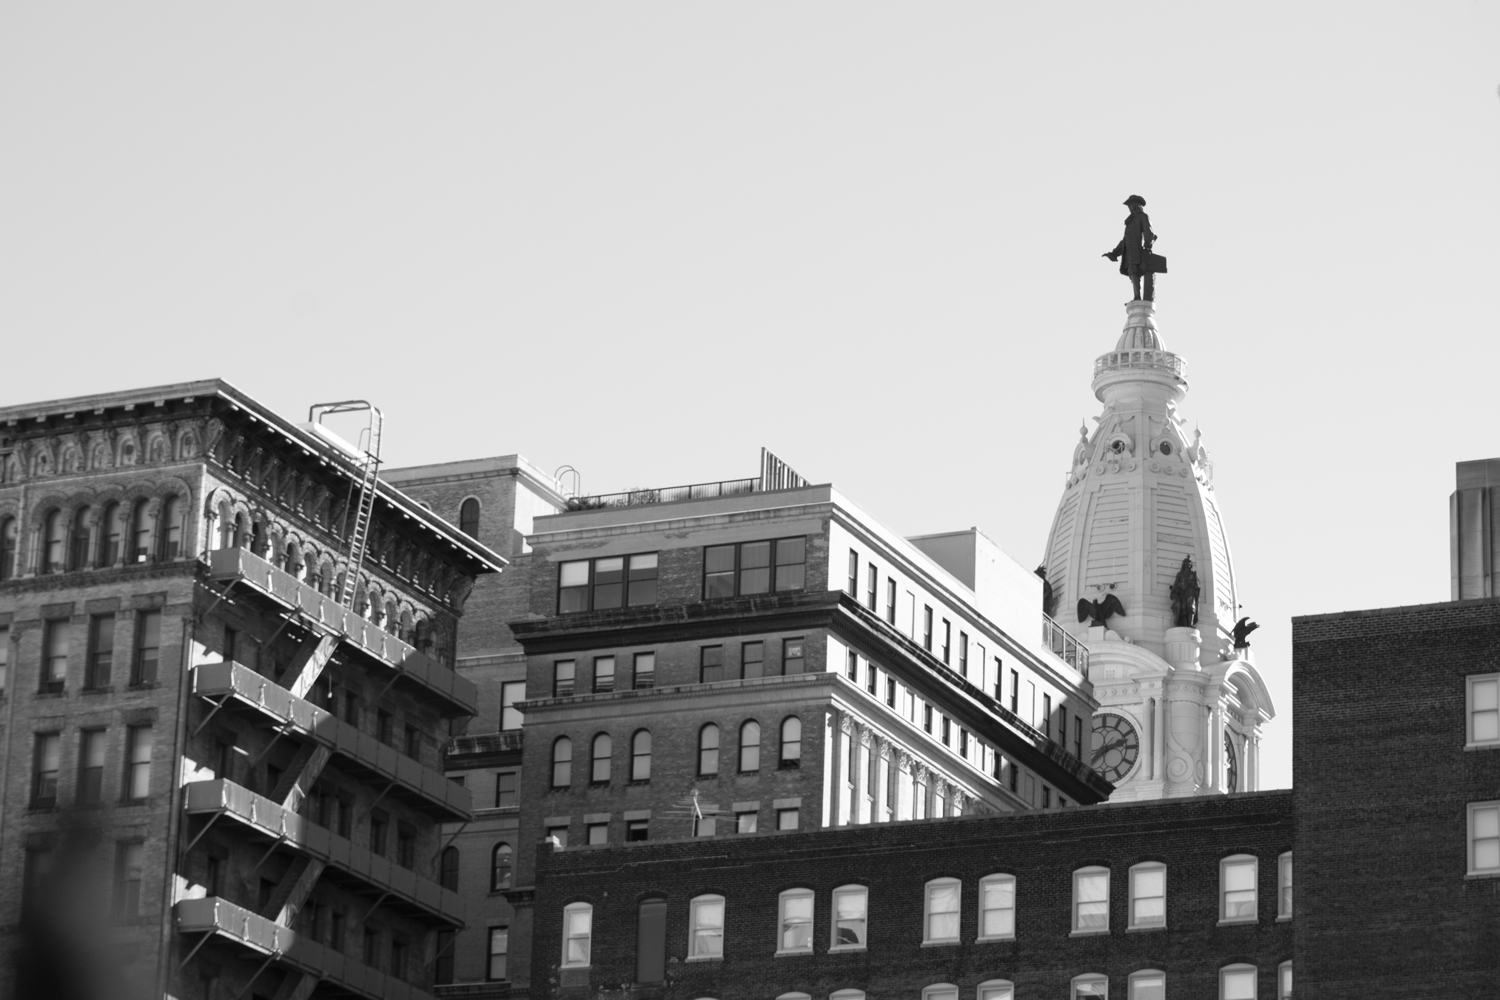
[222, 763]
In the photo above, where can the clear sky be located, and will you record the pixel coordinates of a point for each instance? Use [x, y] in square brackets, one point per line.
[646, 239]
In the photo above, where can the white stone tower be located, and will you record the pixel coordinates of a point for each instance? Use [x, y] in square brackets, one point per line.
[1181, 709]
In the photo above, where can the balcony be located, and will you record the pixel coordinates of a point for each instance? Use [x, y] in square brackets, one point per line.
[1141, 360]
[362, 753]
[1066, 648]
[213, 915]
[345, 859]
[240, 566]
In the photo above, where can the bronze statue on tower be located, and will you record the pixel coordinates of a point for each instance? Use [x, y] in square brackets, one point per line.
[1137, 262]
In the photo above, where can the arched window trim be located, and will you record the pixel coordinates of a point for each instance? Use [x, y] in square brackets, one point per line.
[79, 540]
[932, 931]
[802, 922]
[749, 747]
[708, 750]
[940, 991]
[500, 866]
[995, 989]
[53, 542]
[1085, 921]
[847, 994]
[1284, 980]
[562, 762]
[1089, 986]
[838, 917]
[1238, 903]
[705, 939]
[791, 742]
[1237, 970]
[1135, 977]
[1133, 919]
[997, 879]
[578, 933]
[468, 516]
[10, 537]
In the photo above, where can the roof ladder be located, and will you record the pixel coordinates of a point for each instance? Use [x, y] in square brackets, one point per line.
[368, 465]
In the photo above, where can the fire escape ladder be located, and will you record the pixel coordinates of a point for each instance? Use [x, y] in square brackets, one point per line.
[313, 657]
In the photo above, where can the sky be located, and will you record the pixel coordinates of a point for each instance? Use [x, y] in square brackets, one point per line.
[647, 239]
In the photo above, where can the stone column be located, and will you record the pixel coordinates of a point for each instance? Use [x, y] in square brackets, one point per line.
[1158, 735]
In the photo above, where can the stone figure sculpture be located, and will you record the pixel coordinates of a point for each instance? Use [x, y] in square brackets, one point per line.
[1137, 262]
[1184, 594]
[1049, 600]
[1099, 612]
[1242, 630]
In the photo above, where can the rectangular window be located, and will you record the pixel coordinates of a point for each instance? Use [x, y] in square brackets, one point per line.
[379, 823]
[130, 858]
[751, 568]
[406, 846]
[558, 833]
[1284, 886]
[710, 664]
[927, 628]
[787, 819]
[640, 584]
[947, 731]
[1090, 900]
[138, 763]
[1046, 797]
[1484, 710]
[947, 642]
[997, 908]
[1047, 716]
[706, 927]
[413, 743]
[499, 951]
[1237, 982]
[645, 671]
[872, 590]
[651, 942]
[1148, 985]
[927, 719]
[872, 679]
[562, 678]
[1148, 896]
[90, 767]
[850, 910]
[792, 661]
[853, 588]
[943, 898]
[46, 758]
[398, 958]
[604, 674]
[851, 666]
[1078, 737]
[1015, 692]
[752, 660]
[338, 920]
[746, 822]
[1237, 882]
[507, 790]
[963, 654]
[372, 948]
[1484, 838]
[4, 658]
[796, 922]
[385, 727]
[597, 833]
[101, 651]
[637, 830]
[890, 692]
[147, 647]
[512, 693]
[607, 583]
[890, 600]
[54, 655]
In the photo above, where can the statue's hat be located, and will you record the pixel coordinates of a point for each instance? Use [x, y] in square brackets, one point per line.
[1136, 199]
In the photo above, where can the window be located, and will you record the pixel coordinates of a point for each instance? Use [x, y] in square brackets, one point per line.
[604, 674]
[851, 666]
[468, 517]
[754, 568]
[752, 659]
[750, 747]
[746, 822]
[507, 790]
[1148, 895]
[8, 535]
[142, 534]
[645, 671]
[448, 869]
[398, 958]
[791, 741]
[706, 922]
[963, 653]
[710, 664]
[500, 867]
[52, 543]
[940, 991]
[603, 584]
[406, 846]
[1237, 888]
[137, 763]
[792, 661]
[941, 911]
[1237, 982]
[1090, 986]
[890, 601]
[708, 751]
[850, 912]
[1015, 692]
[1484, 710]
[46, 758]
[996, 989]
[413, 742]
[1284, 886]
[853, 587]
[562, 762]
[788, 819]
[872, 682]
[796, 916]
[171, 516]
[384, 727]
[1047, 716]
[997, 907]
[90, 767]
[872, 591]
[78, 547]
[54, 655]
[640, 755]
[563, 672]
[512, 693]
[1284, 981]
[890, 692]
[596, 834]
[101, 651]
[651, 942]
[927, 628]
[602, 756]
[147, 647]
[372, 948]
[442, 965]
[637, 830]
[1078, 737]
[1149, 984]
[947, 640]
[378, 824]
[1484, 838]
[129, 865]
[1090, 900]
[947, 730]
[927, 719]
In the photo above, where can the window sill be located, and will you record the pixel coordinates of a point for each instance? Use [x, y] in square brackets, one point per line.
[704, 958]
[1482, 746]
[50, 694]
[97, 690]
[708, 777]
[995, 940]
[1493, 874]
[1145, 928]
[1100, 932]
[1241, 922]
[786, 954]
[843, 948]
[1284, 920]
[641, 781]
[940, 944]
[789, 766]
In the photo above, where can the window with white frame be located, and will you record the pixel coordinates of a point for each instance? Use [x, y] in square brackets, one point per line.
[1090, 986]
[850, 913]
[1284, 886]
[706, 940]
[997, 907]
[940, 991]
[849, 994]
[1237, 982]
[1284, 981]
[1148, 984]
[794, 996]
[996, 989]
[1484, 838]
[940, 911]
[1091, 901]
[578, 931]
[1484, 710]
[1237, 875]
[1148, 895]
[796, 914]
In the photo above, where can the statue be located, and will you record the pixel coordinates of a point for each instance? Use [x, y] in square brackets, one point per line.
[1049, 601]
[1098, 612]
[1139, 262]
[1242, 630]
[1185, 595]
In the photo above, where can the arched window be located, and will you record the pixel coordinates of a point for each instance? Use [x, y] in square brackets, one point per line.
[112, 528]
[997, 908]
[604, 749]
[500, 867]
[562, 762]
[1091, 900]
[1148, 984]
[241, 531]
[996, 989]
[392, 617]
[1237, 982]
[1237, 881]
[851, 905]
[1284, 981]
[171, 519]
[791, 742]
[1089, 986]
[578, 933]
[796, 921]
[448, 869]
[226, 526]
[468, 518]
[706, 933]
[293, 564]
[640, 755]
[708, 750]
[52, 543]
[142, 534]
[940, 991]
[1148, 895]
[750, 746]
[941, 900]
[78, 550]
[848, 994]
[8, 548]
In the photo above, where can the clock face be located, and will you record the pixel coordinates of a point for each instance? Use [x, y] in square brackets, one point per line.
[1231, 766]
[1116, 746]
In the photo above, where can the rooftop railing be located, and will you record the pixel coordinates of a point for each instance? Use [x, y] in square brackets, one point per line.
[1140, 360]
[1068, 649]
[668, 494]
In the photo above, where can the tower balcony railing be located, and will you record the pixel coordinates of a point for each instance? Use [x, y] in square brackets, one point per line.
[1066, 648]
[1141, 360]
[246, 568]
[237, 685]
[213, 915]
[222, 797]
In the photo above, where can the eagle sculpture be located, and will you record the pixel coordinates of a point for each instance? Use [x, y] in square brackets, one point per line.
[1098, 612]
[1242, 630]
